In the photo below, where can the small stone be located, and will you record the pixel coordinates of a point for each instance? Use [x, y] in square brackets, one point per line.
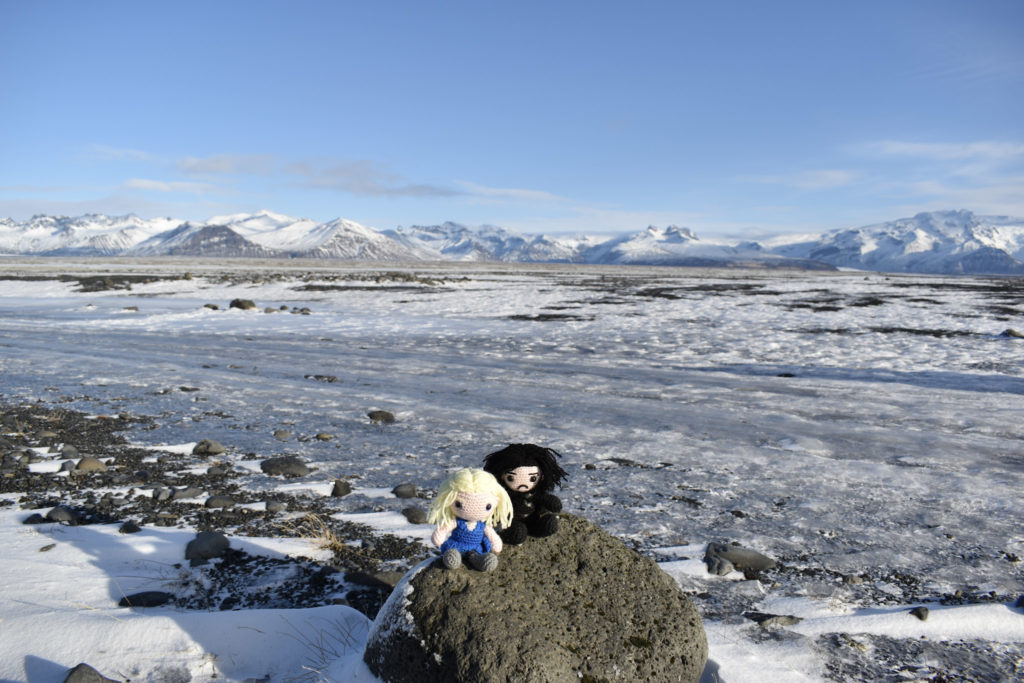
[920, 612]
[415, 515]
[63, 514]
[212, 307]
[404, 491]
[288, 466]
[67, 466]
[47, 435]
[35, 518]
[768, 620]
[146, 599]
[381, 417]
[162, 494]
[276, 506]
[242, 304]
[282, 434]
[1020, 602]
[324, 436]
[90, 465]
[129, 527]
[208, 447]
[1012, 333]
[83, 673]
[69, 451]
[852, 580]
[341, 488]
[220, 502]
[217, 470]
[206, 546]
[187, 492]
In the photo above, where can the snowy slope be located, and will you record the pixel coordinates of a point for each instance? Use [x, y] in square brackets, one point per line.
[91, 234]
[946, 242]
[454, 242]
[675, 246]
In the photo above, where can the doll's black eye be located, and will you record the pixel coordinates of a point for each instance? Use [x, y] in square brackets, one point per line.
[458, 505]
[534, 478]
[489, 506]
[510, 477]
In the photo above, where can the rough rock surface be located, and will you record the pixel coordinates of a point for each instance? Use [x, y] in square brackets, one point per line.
[578, 605]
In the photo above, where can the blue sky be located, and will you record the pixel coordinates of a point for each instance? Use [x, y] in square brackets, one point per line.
[737, 119]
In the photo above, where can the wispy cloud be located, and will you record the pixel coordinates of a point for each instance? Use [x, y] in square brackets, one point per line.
[363, 178]
[508, 193]
[945, 151]
[821, 179]
[227, 164]
[109, 153]
[171, 186]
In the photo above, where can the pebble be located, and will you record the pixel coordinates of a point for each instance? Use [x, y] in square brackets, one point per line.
[205, 546]
[282, 434]
[62, 514]
[341, 488]
[404, 491]
[276, 506]
[83, 673]
[208, 447]
[220, 502]
[288, 466]
[415, 515]
[920, 612]
[90, 465]
[381, 416]
[187, 492]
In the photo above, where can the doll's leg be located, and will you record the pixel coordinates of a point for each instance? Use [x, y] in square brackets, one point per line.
[545, 525]
[486, 562]
[451, 559]
[515, 534]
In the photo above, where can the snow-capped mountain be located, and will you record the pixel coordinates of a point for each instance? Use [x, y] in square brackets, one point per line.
[454, 242]
[675, 246]
[944, 242]
[88, 235]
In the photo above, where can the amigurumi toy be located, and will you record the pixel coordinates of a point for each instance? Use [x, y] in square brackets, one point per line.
[465, 508]
[529, 473]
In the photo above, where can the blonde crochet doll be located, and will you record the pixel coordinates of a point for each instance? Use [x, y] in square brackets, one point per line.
[466, 506]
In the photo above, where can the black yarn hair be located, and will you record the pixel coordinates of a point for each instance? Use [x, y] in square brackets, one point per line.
[528, 455]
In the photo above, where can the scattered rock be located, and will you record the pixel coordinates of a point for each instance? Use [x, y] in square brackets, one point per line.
[146, 599]
[83, 673]
[220, 502]
[90, 465]
[324, 436]
[206, 546]
[129, 527]
[853, 580]
[1012, 333]
[1020, 602]
[415, 515]
[341, 488]
[35, 518]
[330, 379]
[576, 605]
[187, 492]
[243, 304]
[208, 447]
[162, 494]
[212, 307]
[62, 514]
[287, 466]
[69, 451]
[769, 620]
[920, 612]
[404, 491]
[722, 558]
[282, 434]
[276, 506]
[381, 417]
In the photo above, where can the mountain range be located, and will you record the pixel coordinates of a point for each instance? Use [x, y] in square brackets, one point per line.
[941, 242]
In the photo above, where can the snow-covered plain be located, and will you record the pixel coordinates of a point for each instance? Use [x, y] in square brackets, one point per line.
[866, 431]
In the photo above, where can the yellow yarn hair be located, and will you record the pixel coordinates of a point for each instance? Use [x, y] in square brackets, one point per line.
[470, 480]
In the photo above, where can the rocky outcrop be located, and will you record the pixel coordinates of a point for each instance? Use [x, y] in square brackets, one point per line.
[576, 605]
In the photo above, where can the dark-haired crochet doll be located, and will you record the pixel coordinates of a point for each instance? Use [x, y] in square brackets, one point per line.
[529, 473]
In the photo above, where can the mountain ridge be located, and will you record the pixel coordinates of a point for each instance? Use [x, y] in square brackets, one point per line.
[938, 242]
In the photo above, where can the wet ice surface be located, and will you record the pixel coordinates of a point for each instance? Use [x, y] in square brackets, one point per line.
[865, 431]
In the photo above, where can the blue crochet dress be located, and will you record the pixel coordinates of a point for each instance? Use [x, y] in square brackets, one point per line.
[467, 540]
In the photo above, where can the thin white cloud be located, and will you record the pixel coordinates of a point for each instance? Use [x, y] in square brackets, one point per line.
[821, 179]
[109, 153]
[170, 186]
[945, 151]
[363, 178]
[226, 164]
[510, 193]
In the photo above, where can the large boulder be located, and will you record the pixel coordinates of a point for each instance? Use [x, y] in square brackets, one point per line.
[576, 605]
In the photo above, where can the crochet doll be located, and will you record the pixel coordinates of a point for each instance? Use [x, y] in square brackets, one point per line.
[529, 473]
[464, 509]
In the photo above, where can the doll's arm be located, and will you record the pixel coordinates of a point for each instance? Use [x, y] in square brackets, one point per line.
[494, 538]
[441, 533]
[549, 502]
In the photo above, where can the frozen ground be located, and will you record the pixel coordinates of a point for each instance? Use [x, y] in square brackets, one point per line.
[865, 431]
